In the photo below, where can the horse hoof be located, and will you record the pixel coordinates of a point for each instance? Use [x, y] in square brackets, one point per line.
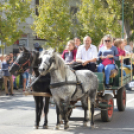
[57, 127]
[61, 122]
[66, 126]
[85, 124]
[45, 127]
[36, 127]
[92, 126]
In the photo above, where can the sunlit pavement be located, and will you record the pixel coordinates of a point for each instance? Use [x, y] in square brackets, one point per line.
[17, 116]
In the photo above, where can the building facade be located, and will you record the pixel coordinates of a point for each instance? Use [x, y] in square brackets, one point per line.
[29, 37]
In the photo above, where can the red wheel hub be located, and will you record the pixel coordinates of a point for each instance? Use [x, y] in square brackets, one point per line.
[124, 98]
[110, 109]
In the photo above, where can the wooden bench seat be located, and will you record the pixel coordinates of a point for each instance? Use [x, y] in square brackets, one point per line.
[128, 71]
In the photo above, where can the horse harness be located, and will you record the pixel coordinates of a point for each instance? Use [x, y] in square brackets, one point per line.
[22, 65]
[58, 84]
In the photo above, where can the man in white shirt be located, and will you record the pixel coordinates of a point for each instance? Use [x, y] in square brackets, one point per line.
[87, 54]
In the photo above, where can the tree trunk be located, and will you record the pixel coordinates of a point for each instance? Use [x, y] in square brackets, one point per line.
[128, 29]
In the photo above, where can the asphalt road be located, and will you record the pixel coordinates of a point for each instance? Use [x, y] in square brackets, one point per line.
[17, 116]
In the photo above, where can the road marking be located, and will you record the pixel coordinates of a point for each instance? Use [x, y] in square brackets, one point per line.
[130, 100]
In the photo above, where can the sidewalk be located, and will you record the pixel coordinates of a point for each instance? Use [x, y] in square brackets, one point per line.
[16, 92]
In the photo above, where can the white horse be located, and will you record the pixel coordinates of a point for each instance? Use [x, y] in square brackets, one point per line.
[68, 86]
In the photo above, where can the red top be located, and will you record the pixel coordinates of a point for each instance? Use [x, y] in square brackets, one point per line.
[66, 51]
[121, 52]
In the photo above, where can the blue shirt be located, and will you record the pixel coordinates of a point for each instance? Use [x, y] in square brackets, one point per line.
[112, 51]
[5, 66]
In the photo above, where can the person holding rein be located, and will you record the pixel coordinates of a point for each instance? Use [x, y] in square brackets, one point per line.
[87, 55]
[107, 56]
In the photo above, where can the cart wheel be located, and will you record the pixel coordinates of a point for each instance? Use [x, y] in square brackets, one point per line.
[107, 114]
[121, 99]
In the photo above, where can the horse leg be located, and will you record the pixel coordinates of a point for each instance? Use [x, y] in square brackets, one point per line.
[40, 107]
[46, 110]
[36, 111]
[85, 107]
[65, 114]
[59, 113]
[92, 103]
[92, 114]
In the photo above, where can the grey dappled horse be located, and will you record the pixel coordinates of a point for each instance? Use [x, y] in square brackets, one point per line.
[64, 88]
[26, 60]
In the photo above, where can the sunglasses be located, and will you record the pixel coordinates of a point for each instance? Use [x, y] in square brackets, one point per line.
[107, 41]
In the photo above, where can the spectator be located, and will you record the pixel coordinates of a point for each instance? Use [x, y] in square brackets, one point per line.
[11, 57]
[69, 55]
[37, 47]
[77, 42]
[7, 75]
[87, 55]
[0, 61]
[25, 76]
[14, 77]
[107, 57]
[1, 72]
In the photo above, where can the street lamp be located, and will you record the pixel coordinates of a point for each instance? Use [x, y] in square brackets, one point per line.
[122, 18]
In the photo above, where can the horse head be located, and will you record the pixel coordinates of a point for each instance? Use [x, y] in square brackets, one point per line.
[47, 60]
[22, 62]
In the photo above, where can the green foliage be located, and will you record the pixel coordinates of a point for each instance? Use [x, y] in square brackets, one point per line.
[96, 21]
[129, 17]
[12, 13]
[53, 22]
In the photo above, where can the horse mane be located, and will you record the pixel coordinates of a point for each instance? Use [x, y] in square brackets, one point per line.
[60, 64]
[58, 60]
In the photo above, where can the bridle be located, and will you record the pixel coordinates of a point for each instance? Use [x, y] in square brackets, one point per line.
[49, 66]
[22, 65]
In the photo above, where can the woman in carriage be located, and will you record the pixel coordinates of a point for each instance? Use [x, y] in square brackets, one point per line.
[69, 54]
[107, 56]
[119, 43]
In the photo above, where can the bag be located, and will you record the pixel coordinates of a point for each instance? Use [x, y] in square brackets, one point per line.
[107, 62]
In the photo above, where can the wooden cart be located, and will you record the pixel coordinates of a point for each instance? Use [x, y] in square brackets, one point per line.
[118, 82]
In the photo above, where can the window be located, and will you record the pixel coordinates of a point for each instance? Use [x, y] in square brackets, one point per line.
[23, 42]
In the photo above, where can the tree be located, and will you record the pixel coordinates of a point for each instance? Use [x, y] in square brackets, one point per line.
[12, 13]
[53, 22]
[128, 15]
[96, 19]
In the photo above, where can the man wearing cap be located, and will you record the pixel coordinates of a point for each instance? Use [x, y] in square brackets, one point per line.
[37, 47]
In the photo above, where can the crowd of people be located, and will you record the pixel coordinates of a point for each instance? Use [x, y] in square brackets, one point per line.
[8, 79]
[85, 54]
